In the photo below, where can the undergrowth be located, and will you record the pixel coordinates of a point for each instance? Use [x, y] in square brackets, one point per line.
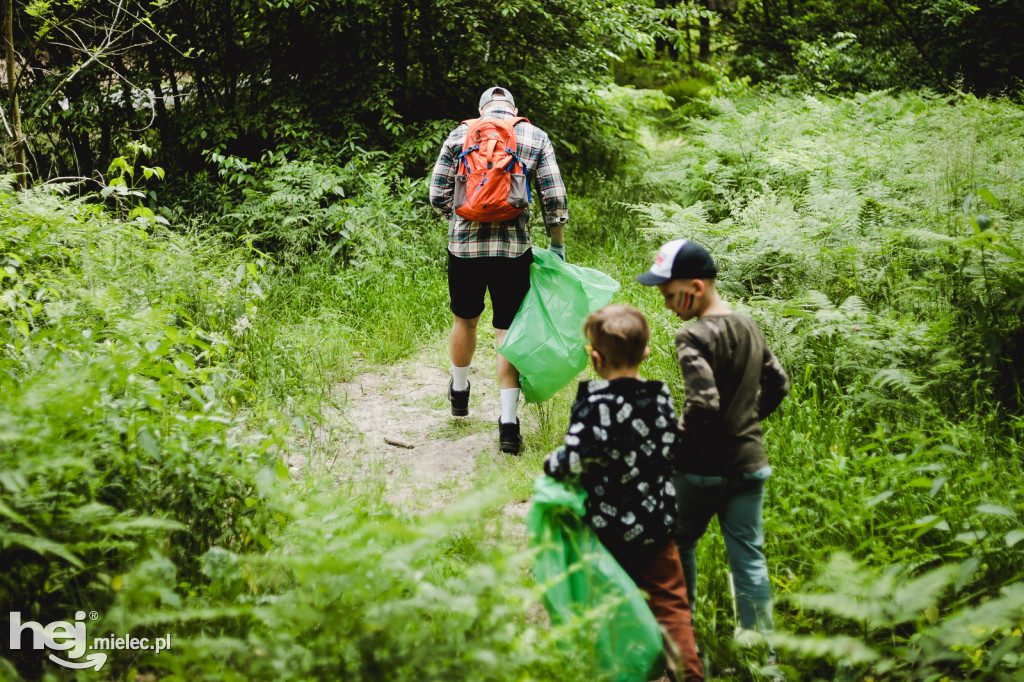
[155, 380]
[876, 239]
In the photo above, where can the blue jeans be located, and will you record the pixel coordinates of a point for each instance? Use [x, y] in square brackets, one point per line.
[738, 502]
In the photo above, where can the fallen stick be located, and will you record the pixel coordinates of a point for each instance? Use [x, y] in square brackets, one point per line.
[399, 443]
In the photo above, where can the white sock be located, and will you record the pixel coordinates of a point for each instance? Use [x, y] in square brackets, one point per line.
[509, 405]
[460, 378]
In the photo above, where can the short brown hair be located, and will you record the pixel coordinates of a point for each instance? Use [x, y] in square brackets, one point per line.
[620, 333]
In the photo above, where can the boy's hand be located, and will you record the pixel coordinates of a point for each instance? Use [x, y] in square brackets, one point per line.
[555, 464]
[558, 251]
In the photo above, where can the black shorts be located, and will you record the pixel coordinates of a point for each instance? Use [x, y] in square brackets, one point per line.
[507, 279]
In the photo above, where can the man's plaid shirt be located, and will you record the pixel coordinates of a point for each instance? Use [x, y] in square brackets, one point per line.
[511, 238]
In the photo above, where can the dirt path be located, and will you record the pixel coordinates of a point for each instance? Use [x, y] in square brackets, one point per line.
[393, 424]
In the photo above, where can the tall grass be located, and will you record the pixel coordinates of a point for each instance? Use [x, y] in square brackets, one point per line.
[150, 378]
[848, 228]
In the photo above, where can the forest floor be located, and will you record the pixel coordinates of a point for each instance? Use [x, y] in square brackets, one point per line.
[392, 425]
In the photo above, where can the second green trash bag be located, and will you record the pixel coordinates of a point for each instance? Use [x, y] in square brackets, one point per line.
[582, 580]
[545, 340]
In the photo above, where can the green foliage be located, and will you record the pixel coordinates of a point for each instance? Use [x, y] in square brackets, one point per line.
[127, 190]
[121, 414]
[847, 219]
[352, 591]
[356, 249]
[863, 45]
[981, 639]
[362, 214]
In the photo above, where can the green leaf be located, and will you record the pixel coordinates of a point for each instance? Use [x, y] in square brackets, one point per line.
[971, 537]
[880, 497]
[968, 200]
[988, 196]
[967, 570]
[140, 524]
[995, 509]
[1014, 536]
[119, 163]
[40, 545]
[147, 442]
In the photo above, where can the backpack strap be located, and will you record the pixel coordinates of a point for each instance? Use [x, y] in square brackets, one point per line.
[462, 157]
[526, 170]
[466, 148]
[515, 156]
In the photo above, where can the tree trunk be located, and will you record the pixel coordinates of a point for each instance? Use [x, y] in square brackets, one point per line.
[704, 40]
[20, 160]
[687, 27]
[399, 56]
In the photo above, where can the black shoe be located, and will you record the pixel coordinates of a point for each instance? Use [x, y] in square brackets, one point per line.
[459, 400]
[509, 438]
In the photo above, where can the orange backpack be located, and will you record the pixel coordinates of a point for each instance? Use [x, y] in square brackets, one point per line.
[490, 189]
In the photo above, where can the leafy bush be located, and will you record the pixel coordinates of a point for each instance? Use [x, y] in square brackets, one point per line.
[352, 591]
[122, 423]
[836, 215]
[904, 611]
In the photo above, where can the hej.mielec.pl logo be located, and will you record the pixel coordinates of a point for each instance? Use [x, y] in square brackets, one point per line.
[71, 638]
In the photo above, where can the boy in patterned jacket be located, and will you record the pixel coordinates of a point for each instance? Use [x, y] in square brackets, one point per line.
[619, 446]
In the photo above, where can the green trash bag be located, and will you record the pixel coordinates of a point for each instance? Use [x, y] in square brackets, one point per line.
[581, 579]
[545, 340]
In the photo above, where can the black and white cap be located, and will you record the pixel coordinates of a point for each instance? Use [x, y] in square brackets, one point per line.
[679, 259]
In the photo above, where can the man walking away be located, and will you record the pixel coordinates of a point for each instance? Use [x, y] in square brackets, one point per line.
[493, 255]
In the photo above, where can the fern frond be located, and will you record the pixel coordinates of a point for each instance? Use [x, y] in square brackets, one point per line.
[854, 306]
[899, 380]
[923, 235]
[818, 300]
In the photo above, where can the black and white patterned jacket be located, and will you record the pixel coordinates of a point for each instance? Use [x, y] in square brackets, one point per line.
[620, 445]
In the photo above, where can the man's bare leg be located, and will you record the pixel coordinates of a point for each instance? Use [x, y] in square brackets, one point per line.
[461, 347]
[463, 340]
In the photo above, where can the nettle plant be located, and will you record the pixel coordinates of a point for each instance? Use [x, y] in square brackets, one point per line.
[128, 191]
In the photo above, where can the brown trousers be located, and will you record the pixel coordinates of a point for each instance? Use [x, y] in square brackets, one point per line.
[661, 577]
